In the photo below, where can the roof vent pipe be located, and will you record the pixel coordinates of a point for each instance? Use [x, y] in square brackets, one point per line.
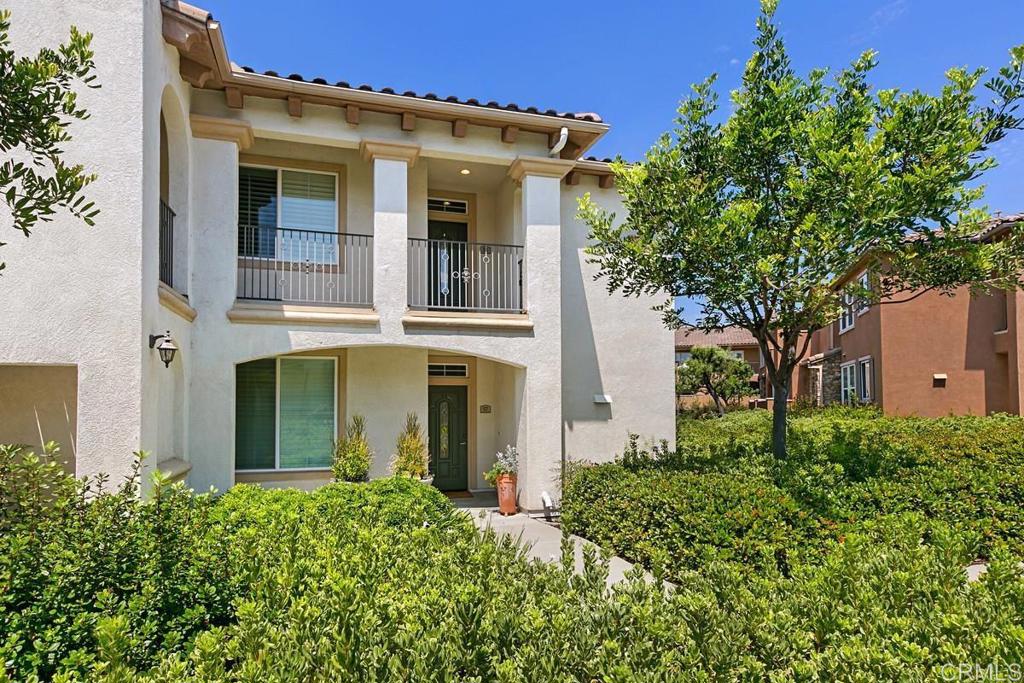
[563, 137]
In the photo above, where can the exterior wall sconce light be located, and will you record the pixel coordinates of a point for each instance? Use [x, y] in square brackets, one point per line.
[164, 345]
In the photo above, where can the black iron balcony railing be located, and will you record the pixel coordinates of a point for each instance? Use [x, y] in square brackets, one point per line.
[465, 276]
[304, 266]
[166, 244]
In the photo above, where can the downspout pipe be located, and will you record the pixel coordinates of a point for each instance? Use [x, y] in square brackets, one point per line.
[563, 137]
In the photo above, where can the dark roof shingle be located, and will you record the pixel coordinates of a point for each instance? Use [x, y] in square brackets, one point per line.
[511, 106]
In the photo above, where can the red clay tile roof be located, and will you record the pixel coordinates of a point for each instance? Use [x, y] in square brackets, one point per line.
[998, 223]
[511, 106]
[687, 337]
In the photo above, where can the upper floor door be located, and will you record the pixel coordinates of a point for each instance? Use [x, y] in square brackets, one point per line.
[448, 259]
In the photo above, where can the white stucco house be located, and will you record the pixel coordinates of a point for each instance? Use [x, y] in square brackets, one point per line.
[314, 250]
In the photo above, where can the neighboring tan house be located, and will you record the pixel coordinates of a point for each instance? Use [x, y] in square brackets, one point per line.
[315, 250]
[933, 355]
[737, 341]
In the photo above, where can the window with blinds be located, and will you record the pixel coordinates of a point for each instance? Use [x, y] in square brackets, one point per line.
[285, 413]
[306, 409]
[282, 212]
[257, 211]
[255, 414]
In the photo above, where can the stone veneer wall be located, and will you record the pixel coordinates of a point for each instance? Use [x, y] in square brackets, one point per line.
[831, 389]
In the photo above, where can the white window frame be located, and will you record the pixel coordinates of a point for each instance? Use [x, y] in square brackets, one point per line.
[865, 393]
[277, 218]
[464, 366]
[277, 415]
[865, 282]
[847, 320]
[845, 395]
[447, 201]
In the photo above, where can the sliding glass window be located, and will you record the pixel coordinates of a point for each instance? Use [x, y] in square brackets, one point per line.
[286, 413]
[288, 215]
[306, 406]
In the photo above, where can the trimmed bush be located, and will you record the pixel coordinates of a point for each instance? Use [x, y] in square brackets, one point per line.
[75, 552]
[684, 520]
[722, 495]
[347, 602]
[352, 453]
[77, 557]
[411, 458]
[387, 581]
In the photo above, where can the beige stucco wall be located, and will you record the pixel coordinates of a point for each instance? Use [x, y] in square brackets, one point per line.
[39, 404]
[611, 345]
[384, 385]
[71, 293]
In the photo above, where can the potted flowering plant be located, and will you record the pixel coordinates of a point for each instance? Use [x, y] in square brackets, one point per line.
[502, 476]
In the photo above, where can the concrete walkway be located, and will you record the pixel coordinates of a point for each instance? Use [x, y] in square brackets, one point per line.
[543, 540]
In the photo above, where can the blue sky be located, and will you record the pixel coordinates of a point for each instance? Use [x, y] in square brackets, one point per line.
[630, 62]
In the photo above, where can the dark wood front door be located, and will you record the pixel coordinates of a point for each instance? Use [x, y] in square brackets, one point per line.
[447, 255]
[449, 435]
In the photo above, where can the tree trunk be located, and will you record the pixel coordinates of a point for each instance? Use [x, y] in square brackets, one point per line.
[780, 406]
[718, 401]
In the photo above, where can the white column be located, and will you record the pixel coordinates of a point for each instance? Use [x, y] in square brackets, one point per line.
[541, 455]
[391, 162]
[212, 293]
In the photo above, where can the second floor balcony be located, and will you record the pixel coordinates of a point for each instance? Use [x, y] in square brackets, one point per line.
[452, 275]
[304, 266]
[312, 267]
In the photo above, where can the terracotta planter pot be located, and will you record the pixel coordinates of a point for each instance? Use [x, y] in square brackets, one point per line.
[506, 485]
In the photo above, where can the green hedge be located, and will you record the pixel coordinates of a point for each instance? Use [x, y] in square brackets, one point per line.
[166, 568]
[386, 581]
[346, 602]
[684, 520]
[722, 495]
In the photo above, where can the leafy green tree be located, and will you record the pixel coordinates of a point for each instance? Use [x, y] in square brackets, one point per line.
[757, 217]
[712, 369]
[37, 103]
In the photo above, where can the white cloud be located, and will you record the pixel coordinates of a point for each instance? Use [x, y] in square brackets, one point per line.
[880, 19]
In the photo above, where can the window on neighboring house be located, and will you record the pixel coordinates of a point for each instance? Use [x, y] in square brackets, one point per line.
[682, 356]
[863, 306]
[865, 380]
[857, 381]
[287, 215]
[847, 319]
[848, 382]
[286, 413]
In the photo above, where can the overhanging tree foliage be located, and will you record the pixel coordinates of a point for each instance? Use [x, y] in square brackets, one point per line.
[37, 102]
[759, 216]
[712, 369]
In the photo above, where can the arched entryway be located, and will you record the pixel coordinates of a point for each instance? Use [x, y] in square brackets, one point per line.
[290, 408]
